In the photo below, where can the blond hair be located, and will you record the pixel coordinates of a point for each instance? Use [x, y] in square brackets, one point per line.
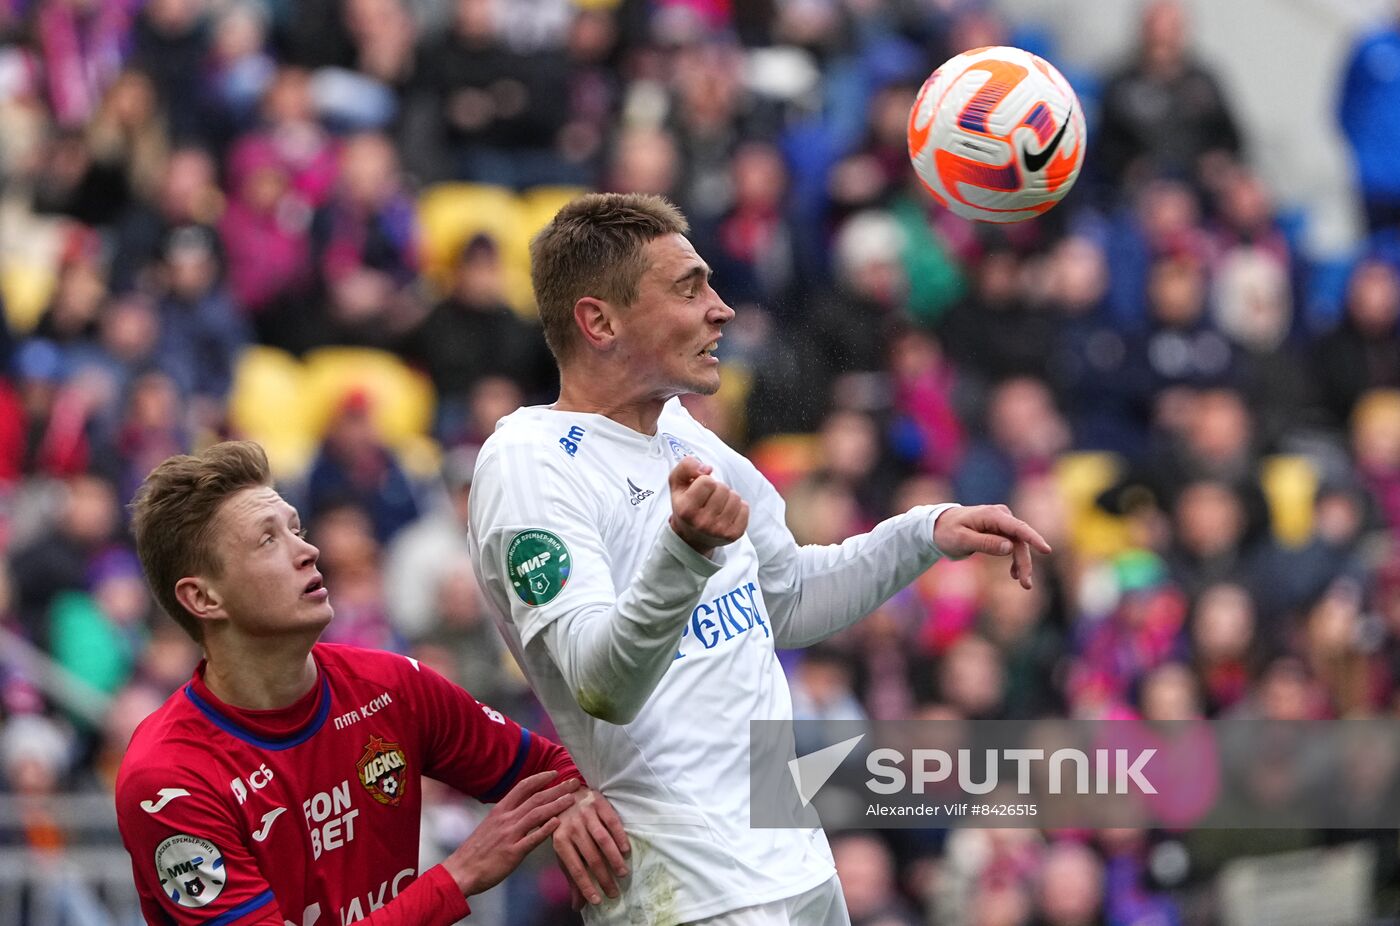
[174, 512]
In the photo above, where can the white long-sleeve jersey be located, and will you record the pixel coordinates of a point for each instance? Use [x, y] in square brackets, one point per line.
[652, 659]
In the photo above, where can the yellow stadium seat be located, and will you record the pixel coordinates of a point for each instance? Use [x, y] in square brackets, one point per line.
[402, 400]
[786, 458]
[734, 388]
[1082, 476]
[539, 204]
[537, 207]
[266, 405]
[26, 289]
[1290, 484]
[449, 214]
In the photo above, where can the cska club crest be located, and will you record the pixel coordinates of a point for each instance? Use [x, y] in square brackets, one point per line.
[383, 770]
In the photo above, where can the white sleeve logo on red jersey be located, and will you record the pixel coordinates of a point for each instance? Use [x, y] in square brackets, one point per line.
[267, 821]
[166, 795]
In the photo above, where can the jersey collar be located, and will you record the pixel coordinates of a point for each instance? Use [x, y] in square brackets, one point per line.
[275, 730]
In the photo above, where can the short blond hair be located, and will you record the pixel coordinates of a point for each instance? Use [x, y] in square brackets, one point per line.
[174, 512]
[593, 247]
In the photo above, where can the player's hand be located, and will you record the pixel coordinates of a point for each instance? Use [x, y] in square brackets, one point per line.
[591, 846]
[990, 529]
[705, 512]
[520, 821]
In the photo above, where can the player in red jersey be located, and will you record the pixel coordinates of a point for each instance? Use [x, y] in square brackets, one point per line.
[281, 785]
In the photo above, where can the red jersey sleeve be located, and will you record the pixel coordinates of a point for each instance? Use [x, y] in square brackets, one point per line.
[191, 866]
[187, 854]
[475, 748]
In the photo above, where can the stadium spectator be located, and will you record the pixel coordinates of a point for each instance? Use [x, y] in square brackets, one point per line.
[170, 41]
[84, 526]
[1363, 351]
[499, 112]
[1025, 433]
[355, 467]
[1367, 113]
[473, 334]
[416, 558]
[1164, 113]
[189, 195]
[866, 868]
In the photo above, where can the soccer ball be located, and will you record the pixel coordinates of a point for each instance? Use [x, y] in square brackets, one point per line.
[997, 135]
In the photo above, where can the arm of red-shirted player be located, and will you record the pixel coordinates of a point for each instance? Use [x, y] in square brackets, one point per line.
[153, 808]
[475, 748]
[485, 754]
[168, 823]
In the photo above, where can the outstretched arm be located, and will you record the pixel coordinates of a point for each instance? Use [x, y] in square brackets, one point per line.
[814, 591]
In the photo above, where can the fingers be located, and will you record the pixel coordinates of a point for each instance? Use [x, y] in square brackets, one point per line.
[1029, 536]
[991, 530]
[706, 513]
[525, 788]
[581, 859]
[563, 789]
[577, 870]
[733, 518]
[990, 544]
[531, 840]
[685, 472]
[608, 846]
[997, 520]
[700, 493]
[1021, 566]
[613, 823]
[537, 816]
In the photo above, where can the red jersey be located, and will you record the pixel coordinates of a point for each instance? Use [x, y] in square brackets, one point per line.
[308, 815]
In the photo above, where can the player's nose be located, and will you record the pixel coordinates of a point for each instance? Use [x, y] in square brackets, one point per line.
[308, 554]
[721, 313]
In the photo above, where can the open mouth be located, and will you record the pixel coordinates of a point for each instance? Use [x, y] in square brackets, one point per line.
[315, 585]
[708, 351]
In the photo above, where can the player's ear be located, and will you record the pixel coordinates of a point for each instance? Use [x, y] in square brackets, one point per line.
[597, 322]
[199, 597]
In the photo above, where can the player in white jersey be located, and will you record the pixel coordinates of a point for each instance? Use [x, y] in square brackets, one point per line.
[643, 574]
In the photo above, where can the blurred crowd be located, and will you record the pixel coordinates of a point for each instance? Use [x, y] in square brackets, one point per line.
[217, 217]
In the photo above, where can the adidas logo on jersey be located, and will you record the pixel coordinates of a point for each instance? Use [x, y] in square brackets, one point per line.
[637, 496]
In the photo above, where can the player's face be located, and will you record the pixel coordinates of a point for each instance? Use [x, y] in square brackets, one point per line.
[673, 329]
[269, 583]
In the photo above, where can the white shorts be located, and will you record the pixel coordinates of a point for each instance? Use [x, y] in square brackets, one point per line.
[823, 905]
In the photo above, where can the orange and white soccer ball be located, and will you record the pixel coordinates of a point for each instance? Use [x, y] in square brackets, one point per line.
[997, 135]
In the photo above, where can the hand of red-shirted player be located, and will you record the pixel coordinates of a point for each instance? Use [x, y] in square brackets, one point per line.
[519, 822]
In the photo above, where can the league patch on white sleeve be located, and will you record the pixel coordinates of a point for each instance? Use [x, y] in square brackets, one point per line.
[538, 564]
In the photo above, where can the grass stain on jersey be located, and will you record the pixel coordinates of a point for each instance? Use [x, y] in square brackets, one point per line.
[651, 897]
[594, 703]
